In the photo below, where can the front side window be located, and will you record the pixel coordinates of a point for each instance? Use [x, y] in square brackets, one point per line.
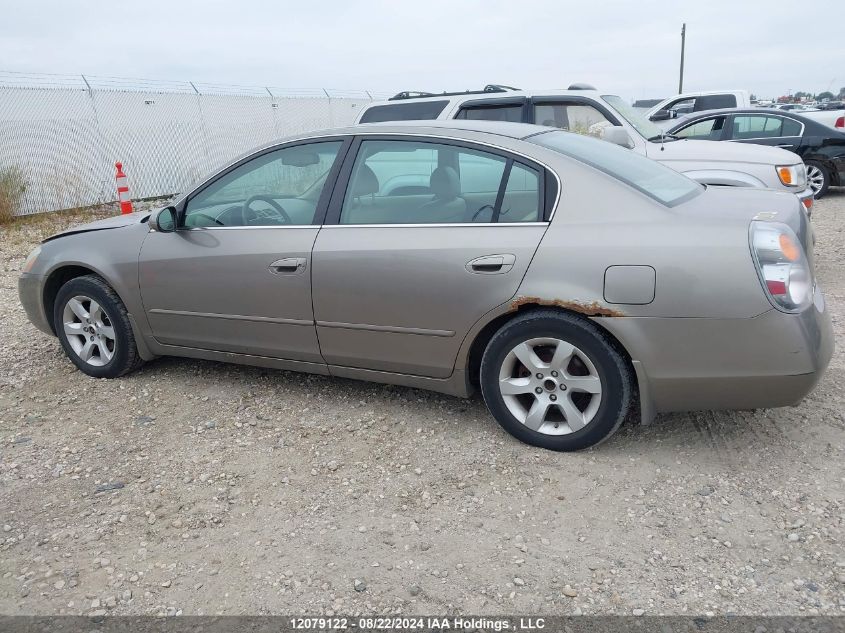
[643, 174]
[707, 129]
[573, 117]
[510, 112]
[419, 182]
[278, 188]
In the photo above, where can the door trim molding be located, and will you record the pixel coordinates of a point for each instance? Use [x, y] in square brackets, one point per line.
[385, 328]
[231, 317]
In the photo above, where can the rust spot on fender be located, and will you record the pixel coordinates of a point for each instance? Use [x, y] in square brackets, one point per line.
[589, 309]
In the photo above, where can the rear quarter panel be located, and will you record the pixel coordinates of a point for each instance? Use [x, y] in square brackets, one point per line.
[700, 252]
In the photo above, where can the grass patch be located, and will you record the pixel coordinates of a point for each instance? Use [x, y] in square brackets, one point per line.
[12, 188]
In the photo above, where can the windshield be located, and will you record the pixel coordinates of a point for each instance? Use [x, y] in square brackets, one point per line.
[640, 123]
[643, 174]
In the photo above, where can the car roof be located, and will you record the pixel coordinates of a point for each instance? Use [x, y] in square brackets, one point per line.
[483, 96]
[497, 128]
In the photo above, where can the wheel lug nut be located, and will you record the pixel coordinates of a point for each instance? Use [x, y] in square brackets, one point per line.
[554, 374]
[553, 397]
[563, 387]
[539, 376]
[538, 390]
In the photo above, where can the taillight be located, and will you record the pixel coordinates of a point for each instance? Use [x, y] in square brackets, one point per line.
[840, 122]
[782, 265]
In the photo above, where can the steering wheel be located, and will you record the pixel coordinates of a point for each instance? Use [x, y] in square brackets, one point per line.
[280, 212]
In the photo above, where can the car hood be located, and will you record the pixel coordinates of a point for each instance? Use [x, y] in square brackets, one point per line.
[715, 151]
[116, 222]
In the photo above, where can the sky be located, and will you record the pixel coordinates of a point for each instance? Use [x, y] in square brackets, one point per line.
[630, 48]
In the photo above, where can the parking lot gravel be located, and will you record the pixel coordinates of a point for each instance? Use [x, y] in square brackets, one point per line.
[194, 487]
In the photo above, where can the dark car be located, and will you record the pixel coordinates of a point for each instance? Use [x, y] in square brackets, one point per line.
[822, 148]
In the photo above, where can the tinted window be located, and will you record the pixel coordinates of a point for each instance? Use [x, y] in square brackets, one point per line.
[578, 118]
[714, 102]
[512, 113]
[707, 130]
[278, 188]
[415, 111]
[453, 185]
[791, 127]
[648, 176]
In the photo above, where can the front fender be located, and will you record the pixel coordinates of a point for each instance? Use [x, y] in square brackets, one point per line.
[112, 254]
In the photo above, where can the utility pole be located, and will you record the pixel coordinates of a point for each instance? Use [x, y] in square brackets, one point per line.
[683, 44]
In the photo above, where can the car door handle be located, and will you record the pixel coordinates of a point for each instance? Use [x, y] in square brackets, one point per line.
[785, 144]
[491, 264]
[288, 266]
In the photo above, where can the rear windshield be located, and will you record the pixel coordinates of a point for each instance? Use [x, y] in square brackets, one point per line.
[648, 176]
[419, 111]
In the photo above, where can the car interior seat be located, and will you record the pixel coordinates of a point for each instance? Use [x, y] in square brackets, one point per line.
[446, 204]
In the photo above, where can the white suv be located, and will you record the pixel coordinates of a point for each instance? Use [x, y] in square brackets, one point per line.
[584, 110]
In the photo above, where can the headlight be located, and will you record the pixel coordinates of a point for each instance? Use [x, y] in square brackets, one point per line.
[782, 266]
[792, 175]
[30, 260]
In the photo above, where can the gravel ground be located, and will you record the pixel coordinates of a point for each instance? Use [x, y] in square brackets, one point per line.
[202, 488]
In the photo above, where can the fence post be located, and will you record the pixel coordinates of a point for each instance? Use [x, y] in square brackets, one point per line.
[208, 165]
[103, 141]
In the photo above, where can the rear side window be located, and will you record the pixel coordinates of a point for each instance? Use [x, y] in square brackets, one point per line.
[510, 112]
[417, 111]
[451, 185]
[647, 176]
[755, 126]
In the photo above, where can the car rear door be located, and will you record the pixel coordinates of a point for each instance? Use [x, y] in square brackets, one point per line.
[235, 276]
[401, 274]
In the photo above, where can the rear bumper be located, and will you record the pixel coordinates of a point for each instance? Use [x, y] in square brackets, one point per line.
[772, 360]
[30, 291]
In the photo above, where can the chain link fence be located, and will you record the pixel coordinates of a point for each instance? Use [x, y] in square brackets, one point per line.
[63, 133]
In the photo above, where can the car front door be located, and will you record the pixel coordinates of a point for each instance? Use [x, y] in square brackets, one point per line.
[766, 129]
[235, 275]
[401, 274]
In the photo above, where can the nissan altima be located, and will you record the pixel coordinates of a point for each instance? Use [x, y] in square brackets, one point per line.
[569, 280]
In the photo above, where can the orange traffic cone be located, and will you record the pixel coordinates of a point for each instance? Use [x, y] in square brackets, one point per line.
[123, 190]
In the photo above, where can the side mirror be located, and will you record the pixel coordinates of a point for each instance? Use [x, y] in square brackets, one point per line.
[617, 135]
[164, 220]
[662, 115]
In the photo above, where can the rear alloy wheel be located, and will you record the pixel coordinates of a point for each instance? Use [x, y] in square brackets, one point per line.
[94, 329]
[554, 380]
[818, 178]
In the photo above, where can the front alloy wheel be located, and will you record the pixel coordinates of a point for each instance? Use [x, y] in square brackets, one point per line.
[89, 331]
[94, 328]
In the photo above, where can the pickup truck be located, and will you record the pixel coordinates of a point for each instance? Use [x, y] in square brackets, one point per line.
[583, 109]
[663, 114]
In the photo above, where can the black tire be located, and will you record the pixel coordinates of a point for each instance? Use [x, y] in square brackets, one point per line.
[125, 358]
[825, 177]
[610, 365]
